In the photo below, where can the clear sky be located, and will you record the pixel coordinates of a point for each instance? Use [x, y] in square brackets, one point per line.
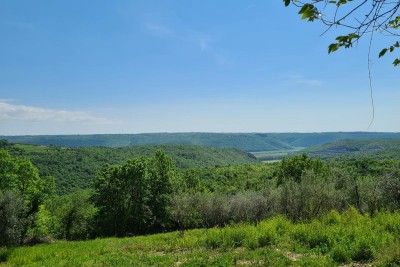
[135, 66]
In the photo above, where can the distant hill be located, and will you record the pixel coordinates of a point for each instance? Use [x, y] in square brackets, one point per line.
[373, 148]
[76, 167]
[243, 141]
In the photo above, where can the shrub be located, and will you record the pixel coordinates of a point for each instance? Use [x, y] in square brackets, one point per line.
[389, 256]
[363, 250]
[12, 219]
[214, 239]
[340, 254]
[235, 236]
[312, 235]
[4, 254]
[331, 218]
[268, 233]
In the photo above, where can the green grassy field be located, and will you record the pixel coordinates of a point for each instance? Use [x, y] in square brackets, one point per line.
[333, 240]
[274, 155]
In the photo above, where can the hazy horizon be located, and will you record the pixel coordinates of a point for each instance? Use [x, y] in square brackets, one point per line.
[199, 133]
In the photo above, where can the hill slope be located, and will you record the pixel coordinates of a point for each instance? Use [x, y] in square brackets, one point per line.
[76, 167]
[242, 141]
[373, 148]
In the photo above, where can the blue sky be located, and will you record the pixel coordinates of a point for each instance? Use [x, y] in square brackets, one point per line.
[83, 67]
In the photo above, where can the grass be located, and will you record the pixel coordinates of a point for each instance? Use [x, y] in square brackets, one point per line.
[336, 239]
[275, 155]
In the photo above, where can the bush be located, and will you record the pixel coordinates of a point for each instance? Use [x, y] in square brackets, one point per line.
[389, 256]
[71, 216]
[363, 250]
[184, 211]
[312, 235]
[4, 254]
[235, 236]
[214, 210]
[340, 254]
[214, 239]
[12, 219]
[308, 198]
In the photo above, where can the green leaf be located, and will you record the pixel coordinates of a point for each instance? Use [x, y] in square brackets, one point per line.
[287, 2]
[354, 36]
[333, 48]
[396, 62]
[383, 52]
[306, 14]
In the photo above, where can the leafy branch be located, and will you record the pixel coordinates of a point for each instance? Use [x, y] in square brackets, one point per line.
[359, 17]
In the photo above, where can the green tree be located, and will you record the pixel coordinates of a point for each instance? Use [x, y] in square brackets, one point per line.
[12, 219]
[292, 168]
[135, 176]
[20, 176]
[109, 199]
[69, 217]
[161, 173]
[133, 198]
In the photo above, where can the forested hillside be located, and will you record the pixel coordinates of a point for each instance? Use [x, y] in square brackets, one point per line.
[382, 148]
[242, 141]
[75, 168]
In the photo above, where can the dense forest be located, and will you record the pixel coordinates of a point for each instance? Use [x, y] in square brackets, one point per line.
[379, 148]
[76, 167]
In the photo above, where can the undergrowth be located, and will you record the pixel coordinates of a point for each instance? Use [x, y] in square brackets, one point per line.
[333, 240]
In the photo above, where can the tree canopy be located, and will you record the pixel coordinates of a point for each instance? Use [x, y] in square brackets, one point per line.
[359, 18]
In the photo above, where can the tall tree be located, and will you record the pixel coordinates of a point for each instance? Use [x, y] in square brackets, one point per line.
[133, 198]
[109, 198]
[161, 172]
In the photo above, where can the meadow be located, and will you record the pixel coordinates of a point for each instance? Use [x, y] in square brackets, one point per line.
[276, 155]
[332, 240]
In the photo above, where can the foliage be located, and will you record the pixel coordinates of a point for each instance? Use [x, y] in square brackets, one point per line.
[367, 17]
[336, 239]
[190, 210]
[309, 198]
[292, 168]
[377, 148]
[12, 219]
[133, 198]
[20, 176]
[21, 193]
[75, 168]
[69, 217]
[227, 179]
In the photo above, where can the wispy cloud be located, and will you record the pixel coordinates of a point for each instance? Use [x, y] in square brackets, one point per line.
[250, 6]
[301, 79]
[11, 111]
[158, 29]
[208, 45]
[205, 42]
